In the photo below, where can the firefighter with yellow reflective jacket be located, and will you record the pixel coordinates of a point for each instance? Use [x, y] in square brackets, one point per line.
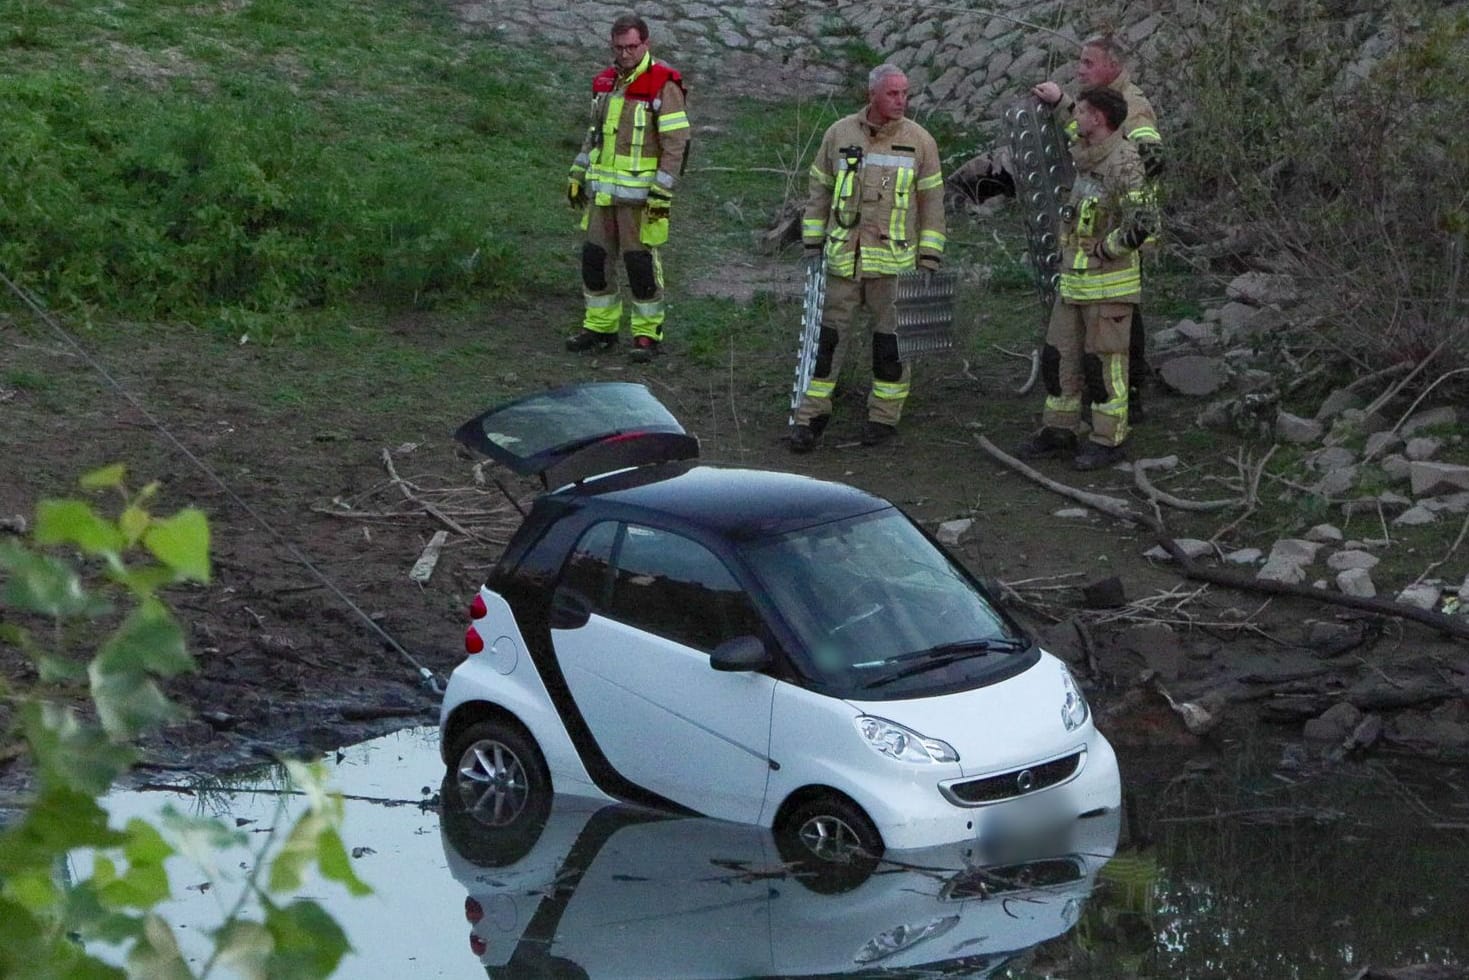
[876, 210]
[624, 176]
[1108, 215]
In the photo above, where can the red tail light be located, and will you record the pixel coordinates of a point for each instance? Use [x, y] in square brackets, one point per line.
[473, 642]
[477, 608]
[473, 911]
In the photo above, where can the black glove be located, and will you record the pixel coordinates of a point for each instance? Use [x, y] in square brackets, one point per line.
[659, 201]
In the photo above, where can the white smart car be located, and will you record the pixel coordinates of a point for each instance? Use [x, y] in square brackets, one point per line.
[754, 646]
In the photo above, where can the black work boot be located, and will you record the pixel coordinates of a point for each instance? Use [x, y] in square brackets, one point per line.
[1095, 456]
[1049, 443]
[585, 340]
[877, 433]
[803, 437]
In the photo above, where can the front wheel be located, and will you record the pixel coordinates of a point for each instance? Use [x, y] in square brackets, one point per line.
[832, 844]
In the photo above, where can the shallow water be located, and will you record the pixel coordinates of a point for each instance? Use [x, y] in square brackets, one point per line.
[1218, 874]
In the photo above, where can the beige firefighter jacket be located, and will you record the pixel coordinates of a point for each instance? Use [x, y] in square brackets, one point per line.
[1108, 215]
[633, 145]
[876, 198]
[1141, 125]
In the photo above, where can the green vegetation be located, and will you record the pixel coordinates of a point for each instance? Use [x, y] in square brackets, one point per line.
[1343, 155]
[231, 164]
[45, 921]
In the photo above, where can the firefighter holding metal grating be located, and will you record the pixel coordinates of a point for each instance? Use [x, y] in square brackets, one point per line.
[876, 212]
[1107, 216]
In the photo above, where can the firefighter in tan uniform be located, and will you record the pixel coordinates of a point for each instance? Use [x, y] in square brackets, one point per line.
[1101, 62]
[876, 210]
[624, 176]
[1108, 215]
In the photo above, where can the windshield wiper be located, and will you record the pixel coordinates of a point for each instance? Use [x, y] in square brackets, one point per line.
[947, 653]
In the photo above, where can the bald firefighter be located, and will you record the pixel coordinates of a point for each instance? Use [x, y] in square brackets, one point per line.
[624, 176]
[876, 210]
[1108, 215]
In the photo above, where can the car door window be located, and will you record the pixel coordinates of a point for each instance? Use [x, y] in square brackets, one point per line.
[669, 585]
[586, 577]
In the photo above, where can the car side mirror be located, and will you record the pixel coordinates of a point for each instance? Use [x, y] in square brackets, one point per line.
[741, 653]
[570, 610]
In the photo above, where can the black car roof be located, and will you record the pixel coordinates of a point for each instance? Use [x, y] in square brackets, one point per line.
[736, 503]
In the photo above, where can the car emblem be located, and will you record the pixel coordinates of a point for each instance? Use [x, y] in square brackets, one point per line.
[1025, 781]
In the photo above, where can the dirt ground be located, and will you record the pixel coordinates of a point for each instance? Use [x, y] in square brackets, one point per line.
[286, 665]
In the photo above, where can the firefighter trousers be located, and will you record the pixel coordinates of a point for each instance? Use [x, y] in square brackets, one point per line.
[845, 298]
[615, 231]
[1087, 349]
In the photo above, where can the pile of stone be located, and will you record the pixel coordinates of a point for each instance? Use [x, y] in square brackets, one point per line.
[1399, 473]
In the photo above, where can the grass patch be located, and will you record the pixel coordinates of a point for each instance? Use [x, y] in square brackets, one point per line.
[200, 162]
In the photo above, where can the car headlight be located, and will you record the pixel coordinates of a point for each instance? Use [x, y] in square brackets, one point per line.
[904, 744]
[1074, 711]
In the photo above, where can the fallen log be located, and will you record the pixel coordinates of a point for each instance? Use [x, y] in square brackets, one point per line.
[1113, 507]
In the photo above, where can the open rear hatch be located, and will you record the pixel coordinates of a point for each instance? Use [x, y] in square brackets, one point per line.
[569, 434]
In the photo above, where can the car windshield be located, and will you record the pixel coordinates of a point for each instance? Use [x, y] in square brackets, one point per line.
[872, 600]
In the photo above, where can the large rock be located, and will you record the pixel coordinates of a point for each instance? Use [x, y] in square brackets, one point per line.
[1421, 448]
[1199, 333]
[1334, 724]
[1239, 319]
[1280, 570]
[1294, 429]
[950, 532]
[1331, 458]
[1337, 402]
[1444, 415]
[1194, 374]
[1357, 582]
[1324, 533]
[1264, 289]
[1244, 556]
[1415, 517]
[1337, 481]
[1297, 551]
[1379, 443]
[1423, 595]
[1344, 560]
[1350, 424]
[1454, 503]
[1397, 468]
[1429, 478]
[1192, 547]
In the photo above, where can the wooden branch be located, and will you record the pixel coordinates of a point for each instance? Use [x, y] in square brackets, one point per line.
[1112, 507]
[1035, 373]
[428, 508]
[1393, 389]
[1140, 477]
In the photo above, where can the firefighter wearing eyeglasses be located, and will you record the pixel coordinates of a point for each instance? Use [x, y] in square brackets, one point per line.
[635, 147]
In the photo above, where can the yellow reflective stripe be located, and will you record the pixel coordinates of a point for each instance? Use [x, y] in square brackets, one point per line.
[930, 182]
[890, 391]
[1063, 404]
[672, 122]
[602, 300]
[1145, 134]
[821, 389]
[621, 178]
[888, 262]
[932, 240]
[1080, 290]
[840, 262]
[812, 228]
[902, 200]
[822, 177]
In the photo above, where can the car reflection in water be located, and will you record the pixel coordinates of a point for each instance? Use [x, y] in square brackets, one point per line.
[576, 888]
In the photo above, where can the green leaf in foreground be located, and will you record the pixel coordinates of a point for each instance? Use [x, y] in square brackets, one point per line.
[182, 543]
[75, 522]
